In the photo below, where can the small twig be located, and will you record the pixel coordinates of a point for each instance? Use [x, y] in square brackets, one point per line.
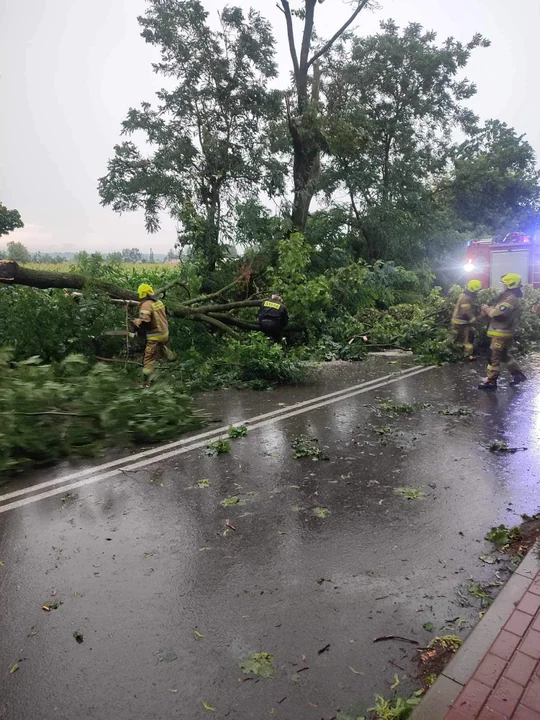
[304, 668]
[395, 637]
[324, 649]
[124, 362]
[282, 700]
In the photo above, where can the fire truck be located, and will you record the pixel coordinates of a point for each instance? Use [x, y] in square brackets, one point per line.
[489, 259]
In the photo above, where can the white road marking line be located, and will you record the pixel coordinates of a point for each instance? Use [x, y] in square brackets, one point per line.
[188, 441]
[195, 445]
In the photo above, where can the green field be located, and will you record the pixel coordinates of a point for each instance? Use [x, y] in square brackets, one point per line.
[68, 266]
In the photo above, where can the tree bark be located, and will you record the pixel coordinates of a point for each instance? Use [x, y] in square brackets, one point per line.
[307, 140]
[11, 273]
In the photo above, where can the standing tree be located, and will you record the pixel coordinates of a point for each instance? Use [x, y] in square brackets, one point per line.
[18, 252]
[496, 184]
[393, 101]
[207, 137]
[131, 255]
[9, 220]
[304, 126]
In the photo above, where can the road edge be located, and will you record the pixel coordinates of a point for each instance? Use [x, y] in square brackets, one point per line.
[460, 669]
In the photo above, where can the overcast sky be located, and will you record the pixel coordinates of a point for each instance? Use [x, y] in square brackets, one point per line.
[70, 69]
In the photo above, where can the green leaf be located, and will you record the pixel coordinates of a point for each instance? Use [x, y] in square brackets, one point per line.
[259, 664]
[14, 668]
[208, 707]
[237, 432]
[410, 493]
[204, 483]
[428, 626]
[233, 500]
[321, 512]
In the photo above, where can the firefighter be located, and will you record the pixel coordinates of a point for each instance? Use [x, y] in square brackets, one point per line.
[273, 317]
[465, 314]
[152, 321]
[503, 319]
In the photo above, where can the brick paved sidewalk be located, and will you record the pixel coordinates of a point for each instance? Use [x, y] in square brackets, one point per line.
[496, 675]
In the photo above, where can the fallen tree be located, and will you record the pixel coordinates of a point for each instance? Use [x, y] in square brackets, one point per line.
[217, 314]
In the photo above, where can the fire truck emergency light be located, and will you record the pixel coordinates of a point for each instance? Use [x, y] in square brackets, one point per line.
[469, 267]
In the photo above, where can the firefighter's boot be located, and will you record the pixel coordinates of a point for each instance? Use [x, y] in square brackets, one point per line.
[488, 384]
[517, 378]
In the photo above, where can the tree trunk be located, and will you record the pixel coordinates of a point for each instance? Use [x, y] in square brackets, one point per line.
[307, 140]
[217, 315]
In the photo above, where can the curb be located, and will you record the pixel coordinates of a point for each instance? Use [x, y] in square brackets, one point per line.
[460, 669]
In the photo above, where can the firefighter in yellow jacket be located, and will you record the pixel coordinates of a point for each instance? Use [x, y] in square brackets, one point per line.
[465, 314]
[153, 322]
[503, 320]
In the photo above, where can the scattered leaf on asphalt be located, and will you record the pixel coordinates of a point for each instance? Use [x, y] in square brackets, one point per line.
[31, 634]
[502, 446]
[395, 683]
[165, 656]
[198, 634]
[79, 637]
[2, 563]
[321, 512]
[173, 690]
[322, 580]
[14, 668]
[204, 483]
[410, 493]
[304, 446]
[230, 525]
[355, 672]
[428, 626]
[260, 664]
[208, 707]
[488, 559]
[237, 432]
[500, 535]
[233, 500]
[51, 605]
[217, 447]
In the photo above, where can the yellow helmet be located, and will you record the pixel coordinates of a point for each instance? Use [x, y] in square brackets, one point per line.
[145, 290]
[512, 280]
[474, 285]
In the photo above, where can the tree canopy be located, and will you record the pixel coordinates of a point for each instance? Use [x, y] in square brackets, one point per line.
[207, 136]
[9, 220]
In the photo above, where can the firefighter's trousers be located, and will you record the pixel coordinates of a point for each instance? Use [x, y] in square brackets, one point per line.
[500, 355]
[463, 335]
[157, 347]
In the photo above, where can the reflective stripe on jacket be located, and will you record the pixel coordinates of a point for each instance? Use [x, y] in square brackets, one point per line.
[504, 315]
[466, 309]
[153, 315]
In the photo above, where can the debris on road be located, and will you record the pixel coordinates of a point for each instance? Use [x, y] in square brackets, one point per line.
[428, 626]
[259, 664]
[433, 659]
[488, 559]
[230, 525]
[13, 669]
[79, 637]
[208, 707]
[232, 500]
[165, 656]
[51, 605]
[355, 672]
[321, 512]
[457, 411]
[395, 637]
[304, 446]
[204, 483]
[410, 493]
[501, 446]
[199, 635]
[218, 447]
[237, 432]
[324, 649]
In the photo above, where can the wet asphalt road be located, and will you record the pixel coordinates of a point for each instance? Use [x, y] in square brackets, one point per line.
[142, 562]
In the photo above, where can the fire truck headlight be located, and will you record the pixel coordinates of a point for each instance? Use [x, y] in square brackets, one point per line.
[469, 267]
